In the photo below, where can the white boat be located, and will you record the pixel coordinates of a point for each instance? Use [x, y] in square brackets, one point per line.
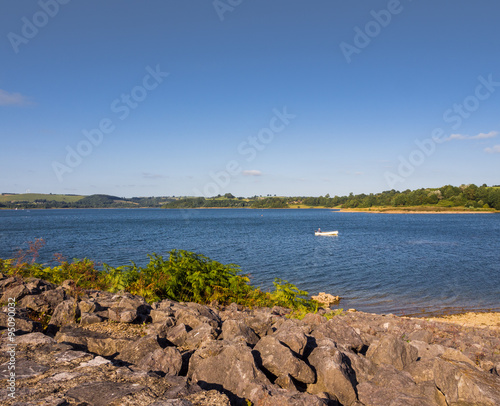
[326, 233]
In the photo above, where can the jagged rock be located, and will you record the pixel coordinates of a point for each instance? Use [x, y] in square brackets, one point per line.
[463, 384]
[421, 335]
[177, 335]
[427, 351]
[7, 282]
[230, 365]
[363, 368]
[260, 321]
[286, 382]
[334, 375]
[200, 334]
[340, 332]
[166, 361]
[87, 318]
[136, 350]
[65, 313]
[232, 329]
[392, 351]
[24, 325]
[17, 292]
[392, 387]
[314, 319]
[279, 360]
[89, 306]
[179, 387]
[93, 342]
[326, 298]
[161, 328]
[34, 340]
[54, 297]
[105, 393]
[36, 303]
[291, 335]
[193, 315]
[24, 369]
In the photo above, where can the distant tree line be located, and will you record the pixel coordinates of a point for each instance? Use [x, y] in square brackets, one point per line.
[469, 196]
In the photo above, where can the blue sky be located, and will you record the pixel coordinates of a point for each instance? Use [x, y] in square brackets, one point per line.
[250, 97]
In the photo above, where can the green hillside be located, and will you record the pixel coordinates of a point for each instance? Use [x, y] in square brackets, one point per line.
[33, 197]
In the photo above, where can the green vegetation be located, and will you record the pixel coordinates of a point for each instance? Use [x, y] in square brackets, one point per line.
[44, 201]
[468, 197]
[183, 276]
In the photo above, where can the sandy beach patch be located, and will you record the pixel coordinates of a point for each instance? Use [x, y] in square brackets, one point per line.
[472, 319]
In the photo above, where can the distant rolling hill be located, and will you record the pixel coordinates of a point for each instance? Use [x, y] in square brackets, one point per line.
[54, 201]
[32, 197]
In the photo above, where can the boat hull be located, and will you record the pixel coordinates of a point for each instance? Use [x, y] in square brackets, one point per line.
[326, 233]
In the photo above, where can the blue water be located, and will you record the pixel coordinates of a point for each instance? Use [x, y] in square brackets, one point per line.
[382, 263]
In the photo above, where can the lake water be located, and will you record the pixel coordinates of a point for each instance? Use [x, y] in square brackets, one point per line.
[382, 263]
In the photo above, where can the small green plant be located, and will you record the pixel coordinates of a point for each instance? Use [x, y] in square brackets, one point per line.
[40, 317]
[331, 314]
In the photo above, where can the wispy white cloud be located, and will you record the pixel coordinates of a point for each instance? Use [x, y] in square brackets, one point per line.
[493, 150]
[252, 172]
[148, 175]
[13, 99]
[480, 136]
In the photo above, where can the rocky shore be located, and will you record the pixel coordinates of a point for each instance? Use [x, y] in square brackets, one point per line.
[97, 348]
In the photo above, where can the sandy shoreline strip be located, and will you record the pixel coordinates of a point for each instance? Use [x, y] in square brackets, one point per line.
[471, 319]
[389, 211]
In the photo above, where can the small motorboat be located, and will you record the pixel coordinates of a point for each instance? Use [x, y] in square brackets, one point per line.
[326, 232]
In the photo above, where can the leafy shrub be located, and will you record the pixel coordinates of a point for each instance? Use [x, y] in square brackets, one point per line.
[183, 276]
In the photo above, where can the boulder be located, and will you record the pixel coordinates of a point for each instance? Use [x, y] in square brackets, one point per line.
[164, 361]
[334, 375]
[16, 291]
[260, 321]
[24, 324]
[96, 343]
[24, 369]
[193, 315]
[339, 331]
[279, 360]
[463, 384]
[136, 350]
[292, 335]
[231, 366]
[105, 393]
[199, 335]
[34, 340]
[392, 387]
[88, 318]
[65, 313]
[232, 329]
[392, 351]
[177, 335]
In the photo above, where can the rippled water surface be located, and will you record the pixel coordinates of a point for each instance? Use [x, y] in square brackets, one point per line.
[384, 263]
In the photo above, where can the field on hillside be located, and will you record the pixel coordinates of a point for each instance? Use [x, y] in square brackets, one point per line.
[31, 197]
